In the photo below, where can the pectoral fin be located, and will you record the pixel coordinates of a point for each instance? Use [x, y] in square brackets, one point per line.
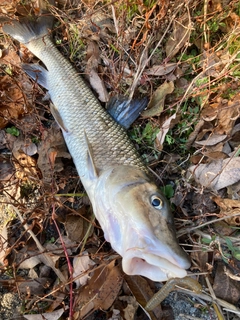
[90, 161]
[125, 111]
[57, 117]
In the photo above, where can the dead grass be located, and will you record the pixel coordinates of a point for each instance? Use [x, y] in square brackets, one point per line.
[133, 48]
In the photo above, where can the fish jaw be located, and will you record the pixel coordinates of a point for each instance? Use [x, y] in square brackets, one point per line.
[143, 236]
[138, 261]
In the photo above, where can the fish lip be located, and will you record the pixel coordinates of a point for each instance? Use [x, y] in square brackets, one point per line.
[157, 268]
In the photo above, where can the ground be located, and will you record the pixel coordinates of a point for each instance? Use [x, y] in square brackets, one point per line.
[184, 57]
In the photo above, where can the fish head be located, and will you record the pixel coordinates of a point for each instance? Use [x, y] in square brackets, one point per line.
[137, 221]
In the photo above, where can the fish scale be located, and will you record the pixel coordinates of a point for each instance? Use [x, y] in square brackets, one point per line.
[109, 141]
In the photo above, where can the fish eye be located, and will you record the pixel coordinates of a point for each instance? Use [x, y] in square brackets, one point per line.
[156, 202]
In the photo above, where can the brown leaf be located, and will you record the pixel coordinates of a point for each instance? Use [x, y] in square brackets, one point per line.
[76, 226]
[98, 85]
[216, 155]
[200, 257]
[212, 140]
[224, 287]
[161, 70]
[143, 293]
[102, 289]
[12, 101]
[229, 208]
[52, 141]
[217, 174]
[35, 286]
[156, 103]
[179, 37]
[96, 82]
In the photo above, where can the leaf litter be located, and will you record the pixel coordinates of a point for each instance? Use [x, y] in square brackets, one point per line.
[185, 59]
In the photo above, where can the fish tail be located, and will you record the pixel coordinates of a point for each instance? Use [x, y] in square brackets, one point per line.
[29, 29]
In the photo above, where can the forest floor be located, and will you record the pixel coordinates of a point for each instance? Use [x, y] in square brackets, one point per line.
[184, 57]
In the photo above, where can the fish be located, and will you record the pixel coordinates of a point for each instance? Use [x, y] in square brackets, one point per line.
[133, 213]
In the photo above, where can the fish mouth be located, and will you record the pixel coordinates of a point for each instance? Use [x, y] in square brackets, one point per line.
[138, 262]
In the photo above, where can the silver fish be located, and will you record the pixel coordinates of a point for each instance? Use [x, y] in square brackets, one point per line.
[133, 213]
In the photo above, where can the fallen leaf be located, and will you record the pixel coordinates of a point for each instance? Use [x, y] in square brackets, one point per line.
[77, 224]
[12, 101]
[228, 115]
[34, 287]
[80, 265]
[96, 82]
[101, 290]
[55, 315]
[163, 131]
[200, 257]
[161, 70]
[30, 262]
[156, 103]
[215, 155]
[143, 293]
[224, 287]
[217, 174]
[180, 35]
[98, 85]
[212, 140]
[229, 208]
[210, 64]
[4, 243]
[52, 141]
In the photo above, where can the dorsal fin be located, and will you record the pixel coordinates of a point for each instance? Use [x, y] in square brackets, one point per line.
[125, 111]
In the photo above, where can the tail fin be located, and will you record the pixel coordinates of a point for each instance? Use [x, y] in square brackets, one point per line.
[27, 30]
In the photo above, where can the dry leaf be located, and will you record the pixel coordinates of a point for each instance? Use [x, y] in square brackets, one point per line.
[52, 141]
[224, 287]
[30, 262]
[212, 140]
[163, 131]
[179, 37]
[161, 70]
[34, 287]
[80, 265]
[229, 208]
[91, 70]
[101, 291]
[227, 116]
[55, 315]
[156, 103]
[98, 85]
[4, 243]
[217, 174]
[143, 293]
[76, 226]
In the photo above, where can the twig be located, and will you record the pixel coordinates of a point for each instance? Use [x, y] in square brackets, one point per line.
[215, 305]
[142, 64]
[44, 256]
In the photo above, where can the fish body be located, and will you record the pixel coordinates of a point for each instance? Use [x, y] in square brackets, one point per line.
[134, 215]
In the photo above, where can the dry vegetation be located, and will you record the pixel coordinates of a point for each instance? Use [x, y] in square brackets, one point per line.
[184, 56]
